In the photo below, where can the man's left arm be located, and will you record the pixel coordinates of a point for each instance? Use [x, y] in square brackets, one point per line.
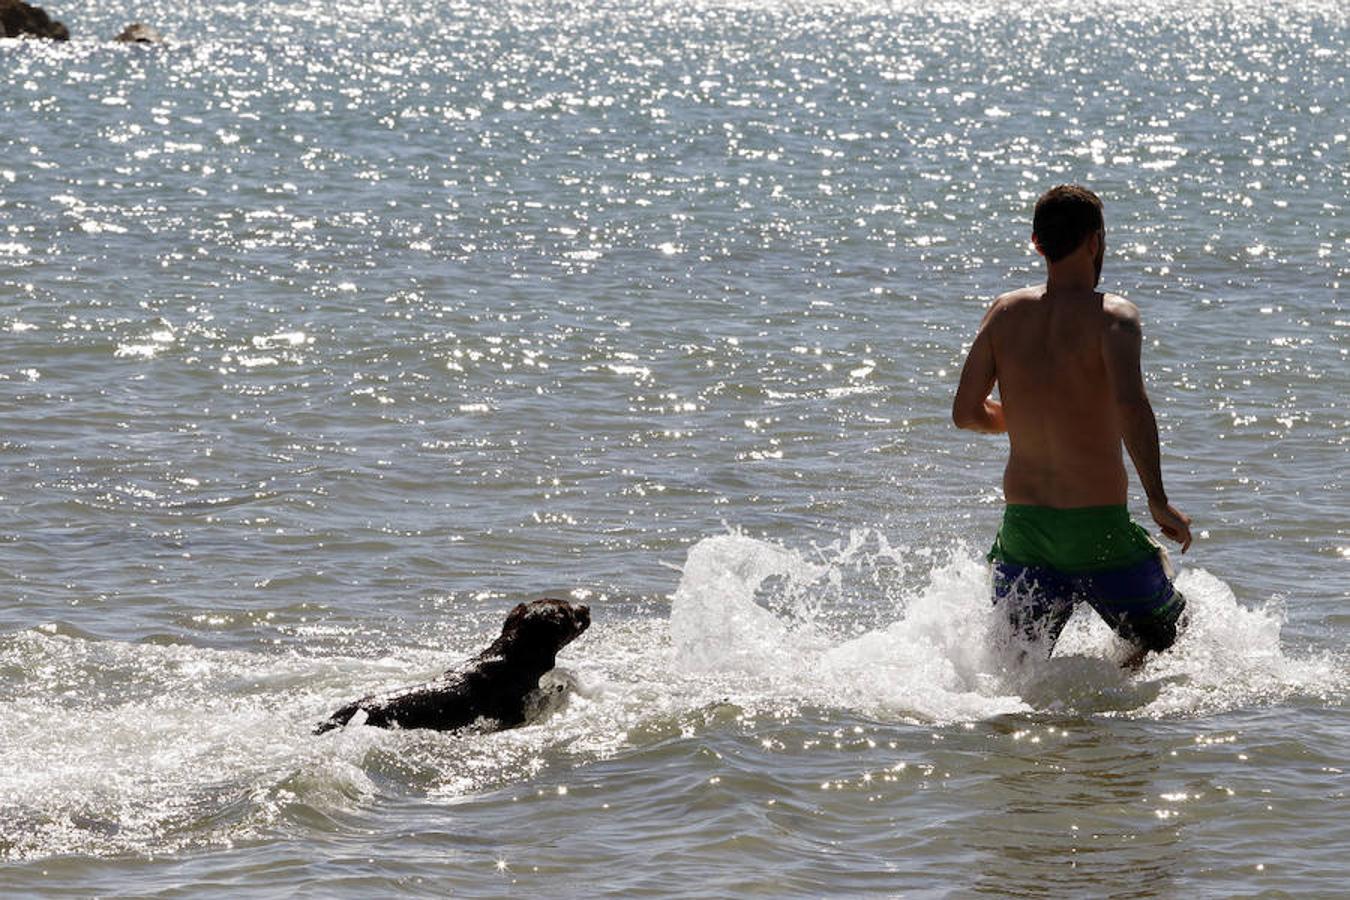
[972, 408]
[1122, 342]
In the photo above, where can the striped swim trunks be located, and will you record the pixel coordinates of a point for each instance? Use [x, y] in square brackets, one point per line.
[1048, 560]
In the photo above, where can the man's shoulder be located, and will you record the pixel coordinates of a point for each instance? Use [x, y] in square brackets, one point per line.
[1013, 302]
[1119, 312]
[1019, 297]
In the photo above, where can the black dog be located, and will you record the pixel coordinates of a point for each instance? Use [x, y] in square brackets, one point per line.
[495, 686]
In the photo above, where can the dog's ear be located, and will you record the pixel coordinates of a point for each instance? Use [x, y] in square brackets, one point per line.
[515, 617]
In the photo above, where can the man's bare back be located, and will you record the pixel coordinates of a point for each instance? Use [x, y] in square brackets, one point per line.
[1066, 360]
[1064, 433]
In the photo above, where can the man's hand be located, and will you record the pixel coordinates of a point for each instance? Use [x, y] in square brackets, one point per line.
[1175, 524]
[994, 410]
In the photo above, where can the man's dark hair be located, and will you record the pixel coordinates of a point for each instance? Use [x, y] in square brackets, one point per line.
[1065, 216]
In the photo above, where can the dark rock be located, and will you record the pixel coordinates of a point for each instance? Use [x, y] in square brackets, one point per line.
[18, 19]
[139, 34]
[498, 688]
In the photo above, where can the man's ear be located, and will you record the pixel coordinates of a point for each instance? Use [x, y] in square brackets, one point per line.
[1036, 245]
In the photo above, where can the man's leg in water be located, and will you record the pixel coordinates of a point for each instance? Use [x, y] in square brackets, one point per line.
[1140, 604]
[1036, 604]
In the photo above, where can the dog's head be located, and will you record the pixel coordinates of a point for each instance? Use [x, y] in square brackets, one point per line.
[541, 628]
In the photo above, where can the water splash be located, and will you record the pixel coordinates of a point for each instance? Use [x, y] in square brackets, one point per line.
[120, 747]
[940, 660]
[116, 747]
[1230, 656]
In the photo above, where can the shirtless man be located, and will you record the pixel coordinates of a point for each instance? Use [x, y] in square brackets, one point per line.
[1066, 360]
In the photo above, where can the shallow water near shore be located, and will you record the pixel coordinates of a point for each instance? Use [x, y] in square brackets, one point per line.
[331, 331]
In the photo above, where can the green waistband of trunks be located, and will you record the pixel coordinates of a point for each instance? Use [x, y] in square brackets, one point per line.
[1081, 539]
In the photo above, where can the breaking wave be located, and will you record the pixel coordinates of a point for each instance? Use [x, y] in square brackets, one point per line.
[119, 747]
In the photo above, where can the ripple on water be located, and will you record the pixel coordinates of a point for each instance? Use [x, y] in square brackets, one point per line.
[320, 345]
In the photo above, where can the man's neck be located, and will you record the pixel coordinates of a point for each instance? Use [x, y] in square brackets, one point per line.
[1070, 280]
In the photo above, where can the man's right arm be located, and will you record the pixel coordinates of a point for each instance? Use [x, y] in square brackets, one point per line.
[972, 408]
[1121, 347]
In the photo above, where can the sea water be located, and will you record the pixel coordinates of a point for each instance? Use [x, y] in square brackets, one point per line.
[329, 331]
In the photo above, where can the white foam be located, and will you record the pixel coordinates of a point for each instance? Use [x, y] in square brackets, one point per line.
[120, 747]
[140, 748]
[133, 747]
[932, 663]
[1230, 656]
[146, 351]
[940, 661]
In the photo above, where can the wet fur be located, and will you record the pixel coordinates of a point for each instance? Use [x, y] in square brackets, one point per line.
[498, 686]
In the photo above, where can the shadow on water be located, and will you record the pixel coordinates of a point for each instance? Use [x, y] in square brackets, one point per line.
[1088, 685]
[1074, 815]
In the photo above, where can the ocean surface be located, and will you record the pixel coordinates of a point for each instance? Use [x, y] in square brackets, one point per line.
[331, 330]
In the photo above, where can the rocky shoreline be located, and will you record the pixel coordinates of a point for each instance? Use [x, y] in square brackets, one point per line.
[18, 19]
[23, 20]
